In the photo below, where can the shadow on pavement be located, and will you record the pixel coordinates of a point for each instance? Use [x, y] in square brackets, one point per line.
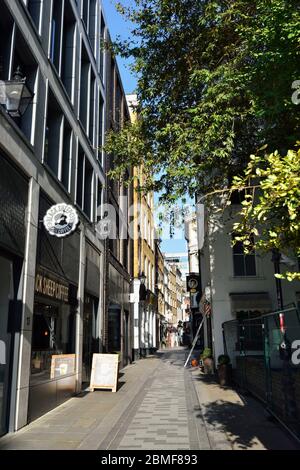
[246, 423]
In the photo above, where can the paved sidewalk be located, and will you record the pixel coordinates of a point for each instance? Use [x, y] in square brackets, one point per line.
[159, 406]
[237, 422]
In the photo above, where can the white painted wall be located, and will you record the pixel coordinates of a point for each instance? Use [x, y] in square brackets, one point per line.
[217, 270]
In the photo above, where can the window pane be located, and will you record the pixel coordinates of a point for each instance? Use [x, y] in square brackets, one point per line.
[238, 265]
[238, 248]
[250, 265]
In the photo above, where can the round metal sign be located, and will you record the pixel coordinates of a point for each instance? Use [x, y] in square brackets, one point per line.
[61, 220]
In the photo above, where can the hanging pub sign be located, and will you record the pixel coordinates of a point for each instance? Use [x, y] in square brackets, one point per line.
[61, 220]
[193, 283]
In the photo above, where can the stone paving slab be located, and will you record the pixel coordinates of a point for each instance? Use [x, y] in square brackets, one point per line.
[160, 406]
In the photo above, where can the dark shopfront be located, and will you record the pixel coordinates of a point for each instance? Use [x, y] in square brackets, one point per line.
[53, 359]
[91, 313]
[12, 244]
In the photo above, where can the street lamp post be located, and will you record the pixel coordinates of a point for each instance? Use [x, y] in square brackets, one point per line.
[15, 95]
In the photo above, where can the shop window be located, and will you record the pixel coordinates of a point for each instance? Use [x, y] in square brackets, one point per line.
[84, 87]
[34, 8]
[114, 330]
[69, 29]
[243, 264]
[52, 134]
[53, 334]
[56, 26]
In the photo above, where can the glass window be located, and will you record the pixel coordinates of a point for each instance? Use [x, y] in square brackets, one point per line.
[84, 88]
[80, 167]
[52, 136]
[102, 48]
[67, 73]
[100, 130]
[243, 264]
[6, 31]
[88, 189]
[56, 33]
[66, 156]
[34, 8]
[53, 333]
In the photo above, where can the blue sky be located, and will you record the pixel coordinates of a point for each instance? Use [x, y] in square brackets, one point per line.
[119, 27]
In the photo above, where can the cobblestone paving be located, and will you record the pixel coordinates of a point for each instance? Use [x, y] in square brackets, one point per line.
[163, 418]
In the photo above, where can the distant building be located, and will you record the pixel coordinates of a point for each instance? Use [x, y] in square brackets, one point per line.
[144, 291]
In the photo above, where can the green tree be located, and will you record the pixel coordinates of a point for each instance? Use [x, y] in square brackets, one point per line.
[214, 84]
[270, 214]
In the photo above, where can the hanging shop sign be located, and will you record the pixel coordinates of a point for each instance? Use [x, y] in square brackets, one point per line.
[61, 220]
[192, 283]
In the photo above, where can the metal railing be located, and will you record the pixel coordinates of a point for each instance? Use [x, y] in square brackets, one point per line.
[265, 358]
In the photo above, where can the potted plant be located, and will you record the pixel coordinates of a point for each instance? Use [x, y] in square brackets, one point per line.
[224, 370]
[207, 360]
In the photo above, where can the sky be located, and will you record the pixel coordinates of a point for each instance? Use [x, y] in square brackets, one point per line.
[118, 26]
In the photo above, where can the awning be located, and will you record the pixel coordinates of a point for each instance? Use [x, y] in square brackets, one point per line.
[251, 302]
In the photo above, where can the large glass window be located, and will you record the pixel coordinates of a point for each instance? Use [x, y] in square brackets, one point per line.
[53, 334]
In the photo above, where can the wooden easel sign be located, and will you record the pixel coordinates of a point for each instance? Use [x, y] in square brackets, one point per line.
[104, 372]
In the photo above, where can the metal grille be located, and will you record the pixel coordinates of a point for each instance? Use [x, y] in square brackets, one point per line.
[263, 353]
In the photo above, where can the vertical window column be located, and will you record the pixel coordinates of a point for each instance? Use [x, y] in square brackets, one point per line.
[56, 34]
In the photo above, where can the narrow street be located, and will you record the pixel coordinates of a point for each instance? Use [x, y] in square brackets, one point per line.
[159, 405]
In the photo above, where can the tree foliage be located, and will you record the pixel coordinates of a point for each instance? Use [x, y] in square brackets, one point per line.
[270, 214]
[214, 84]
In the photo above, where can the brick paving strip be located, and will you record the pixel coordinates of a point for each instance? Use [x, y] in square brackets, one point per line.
[165, 415]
